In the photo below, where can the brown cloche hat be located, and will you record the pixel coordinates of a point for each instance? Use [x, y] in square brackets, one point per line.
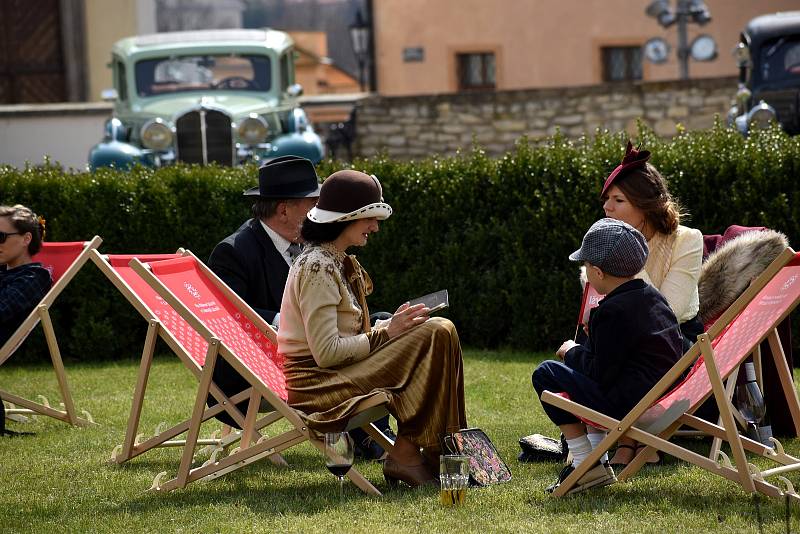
[348, 195]
[286, 177]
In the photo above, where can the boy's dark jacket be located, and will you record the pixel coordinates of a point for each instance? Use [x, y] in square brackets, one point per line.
[634, 339]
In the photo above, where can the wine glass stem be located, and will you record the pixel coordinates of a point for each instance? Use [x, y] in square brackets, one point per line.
[341, 488]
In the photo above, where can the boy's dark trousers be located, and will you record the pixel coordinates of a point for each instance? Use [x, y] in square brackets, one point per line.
[557, 377]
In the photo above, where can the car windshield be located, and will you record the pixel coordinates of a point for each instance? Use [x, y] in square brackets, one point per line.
[780, 60]
[202, 73]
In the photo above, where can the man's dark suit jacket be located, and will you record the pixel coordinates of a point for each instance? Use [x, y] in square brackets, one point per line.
[249, 263]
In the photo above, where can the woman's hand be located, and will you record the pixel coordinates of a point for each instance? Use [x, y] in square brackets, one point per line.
[565, 346]
[405, 318]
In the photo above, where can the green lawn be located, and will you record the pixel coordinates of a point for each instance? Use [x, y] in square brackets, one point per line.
[59, 480]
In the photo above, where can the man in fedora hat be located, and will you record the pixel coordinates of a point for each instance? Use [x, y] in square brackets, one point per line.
[254, 261]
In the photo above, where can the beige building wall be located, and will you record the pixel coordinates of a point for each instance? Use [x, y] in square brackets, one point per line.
[108, 21]
[539, 43]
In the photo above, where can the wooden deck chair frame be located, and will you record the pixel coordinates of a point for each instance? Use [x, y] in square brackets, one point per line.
[250, 450]
[656, 436]
[591, 299]
[41, 314]
[134, 444]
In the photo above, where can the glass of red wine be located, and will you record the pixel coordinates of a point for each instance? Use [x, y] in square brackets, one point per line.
[339, 456]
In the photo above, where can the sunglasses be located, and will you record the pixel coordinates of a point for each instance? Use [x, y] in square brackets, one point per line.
[4, 235]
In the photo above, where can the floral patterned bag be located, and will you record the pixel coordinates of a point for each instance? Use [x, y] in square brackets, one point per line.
[485, 464]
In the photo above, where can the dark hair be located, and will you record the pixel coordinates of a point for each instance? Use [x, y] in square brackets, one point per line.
[316, 233]
[25, 221]
[264, 208]
[647, 190]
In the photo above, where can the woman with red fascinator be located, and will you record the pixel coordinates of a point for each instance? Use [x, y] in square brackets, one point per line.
[636, 193]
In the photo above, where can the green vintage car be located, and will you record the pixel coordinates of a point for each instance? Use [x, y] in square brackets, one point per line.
[213, 96]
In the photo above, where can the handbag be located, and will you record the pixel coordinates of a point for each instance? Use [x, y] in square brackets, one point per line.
[539, 448]
[485, 464]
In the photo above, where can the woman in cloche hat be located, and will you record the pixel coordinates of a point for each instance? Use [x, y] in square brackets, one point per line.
[335, 361]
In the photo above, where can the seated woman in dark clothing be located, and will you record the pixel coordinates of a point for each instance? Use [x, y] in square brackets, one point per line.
[23, 282]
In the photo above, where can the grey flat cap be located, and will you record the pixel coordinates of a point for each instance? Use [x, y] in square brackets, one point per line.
[616, 247]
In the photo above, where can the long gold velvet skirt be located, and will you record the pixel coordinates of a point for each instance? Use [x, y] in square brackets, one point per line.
[421, 371]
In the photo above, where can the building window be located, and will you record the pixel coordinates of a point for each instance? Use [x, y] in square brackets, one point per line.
[622, 63]
[476, 71]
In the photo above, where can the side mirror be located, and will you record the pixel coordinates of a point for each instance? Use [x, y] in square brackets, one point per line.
[109, 95]
[294, 90]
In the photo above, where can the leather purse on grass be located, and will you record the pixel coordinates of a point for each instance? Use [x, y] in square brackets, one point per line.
[485, 464]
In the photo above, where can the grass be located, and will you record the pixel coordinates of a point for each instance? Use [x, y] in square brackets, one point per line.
[59, 480]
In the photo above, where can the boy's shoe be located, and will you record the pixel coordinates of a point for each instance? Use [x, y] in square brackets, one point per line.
[599, 475]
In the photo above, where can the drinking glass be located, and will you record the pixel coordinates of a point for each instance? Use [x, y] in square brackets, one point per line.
[454, 479]
[339, 456]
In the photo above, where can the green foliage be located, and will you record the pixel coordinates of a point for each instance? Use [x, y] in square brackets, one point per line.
[496, 232]
[60, 480]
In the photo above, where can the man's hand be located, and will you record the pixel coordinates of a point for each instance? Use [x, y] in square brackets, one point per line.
[565, 346]
[405, 318]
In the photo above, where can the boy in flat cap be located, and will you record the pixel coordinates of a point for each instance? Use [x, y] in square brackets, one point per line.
[634, 339]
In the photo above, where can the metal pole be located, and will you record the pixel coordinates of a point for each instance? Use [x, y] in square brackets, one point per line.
[682, 14]
[373, 65]
[361, 77]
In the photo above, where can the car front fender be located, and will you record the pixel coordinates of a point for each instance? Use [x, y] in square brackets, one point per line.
[307, 145]
[116, 154]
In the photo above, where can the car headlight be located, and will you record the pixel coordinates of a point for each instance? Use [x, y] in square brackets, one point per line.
[253, 129]
[761, 115]
[156, 135]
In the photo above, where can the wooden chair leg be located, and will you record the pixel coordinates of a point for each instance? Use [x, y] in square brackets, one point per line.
[785, 376]
[58, 364]
[139, 391]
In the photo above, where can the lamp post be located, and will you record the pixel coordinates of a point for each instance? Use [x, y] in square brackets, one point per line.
[359, 38]
[702, 48]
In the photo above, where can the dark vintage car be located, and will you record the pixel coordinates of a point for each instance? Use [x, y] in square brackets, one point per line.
[213, 96]
[768, 55]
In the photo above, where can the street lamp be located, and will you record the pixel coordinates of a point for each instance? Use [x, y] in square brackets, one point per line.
[702, 48]
[359, 38]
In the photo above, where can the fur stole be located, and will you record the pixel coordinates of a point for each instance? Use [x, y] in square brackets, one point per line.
[729, 270]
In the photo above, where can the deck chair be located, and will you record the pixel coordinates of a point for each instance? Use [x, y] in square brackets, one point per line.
[232, 330]
[718, 352]
[63, 260]
[591, 299]
[183, 340]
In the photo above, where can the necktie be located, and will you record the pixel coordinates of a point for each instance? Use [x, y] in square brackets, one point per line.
[294, 251]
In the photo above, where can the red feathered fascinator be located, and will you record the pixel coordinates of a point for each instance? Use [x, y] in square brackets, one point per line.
[633, 159]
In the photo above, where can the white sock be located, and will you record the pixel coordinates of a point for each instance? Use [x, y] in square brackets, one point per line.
[580, 448]
[595, 438]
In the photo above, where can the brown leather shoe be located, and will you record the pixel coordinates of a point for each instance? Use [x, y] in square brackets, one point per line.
[413, 475]
[430, 458]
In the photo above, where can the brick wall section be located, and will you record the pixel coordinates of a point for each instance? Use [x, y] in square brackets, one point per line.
[417, 126]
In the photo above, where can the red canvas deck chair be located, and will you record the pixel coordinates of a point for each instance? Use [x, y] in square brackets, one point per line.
[717, 353]
[182, 339]
[232, 330]
[591, 299]
[63, 260]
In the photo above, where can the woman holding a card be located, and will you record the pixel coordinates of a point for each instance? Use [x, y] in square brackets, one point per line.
[334, 360]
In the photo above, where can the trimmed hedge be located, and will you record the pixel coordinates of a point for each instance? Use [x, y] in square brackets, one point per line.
[495, 232]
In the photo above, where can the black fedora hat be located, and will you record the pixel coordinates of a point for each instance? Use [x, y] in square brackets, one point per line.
[286, 177]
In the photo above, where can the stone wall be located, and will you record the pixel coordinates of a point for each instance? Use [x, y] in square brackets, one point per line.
[417, 126]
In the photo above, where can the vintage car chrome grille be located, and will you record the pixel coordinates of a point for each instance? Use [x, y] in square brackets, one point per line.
[205, 136]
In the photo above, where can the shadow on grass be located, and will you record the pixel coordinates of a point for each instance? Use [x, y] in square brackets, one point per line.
[507, 356]
[263, 490]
